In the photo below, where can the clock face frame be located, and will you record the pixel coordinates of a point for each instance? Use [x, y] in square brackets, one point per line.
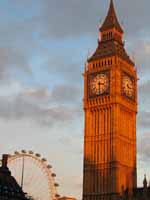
[98, 84]
[128, 86]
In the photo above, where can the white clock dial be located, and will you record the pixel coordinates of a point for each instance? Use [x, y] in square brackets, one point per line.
[128, 86]
[99, 84]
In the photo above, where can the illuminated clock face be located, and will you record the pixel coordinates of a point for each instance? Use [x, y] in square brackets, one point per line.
[128, 86]
[99, 84]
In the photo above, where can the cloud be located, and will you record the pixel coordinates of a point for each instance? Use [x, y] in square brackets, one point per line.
[144, 119]
[144, 88]
[65, 18]
[141, 49]
[66, 94]
[11, 59]
[129, 14]
[72, 18]
[144, 147]
[67, 64]
[63, 94]
[43, 27]
[19, 108]
[49, 40]
[37, 95]
[40, 105]
[143, 98]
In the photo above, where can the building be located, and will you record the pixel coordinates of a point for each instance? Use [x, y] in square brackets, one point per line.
[66, 198]
[138, 193]
[9, 188]
[110, 108]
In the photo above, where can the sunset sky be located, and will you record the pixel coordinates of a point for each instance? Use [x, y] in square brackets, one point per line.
[43, 48]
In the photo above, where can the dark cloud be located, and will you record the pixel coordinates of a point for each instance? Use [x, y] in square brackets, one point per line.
[134, 15]
[37, 94]
[82, 17]
[20, 109]
[66, 94]
[44, 21]
[27, 38]
[41, 106]
[60, 94]
[11, 59]
[75, 17]
[58, 115]
[67, 65]
[70, 18]
[16, 108]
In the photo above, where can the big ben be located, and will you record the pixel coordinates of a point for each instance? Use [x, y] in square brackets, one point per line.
[110, 109]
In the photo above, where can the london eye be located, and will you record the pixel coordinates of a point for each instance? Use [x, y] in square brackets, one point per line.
[34, 175]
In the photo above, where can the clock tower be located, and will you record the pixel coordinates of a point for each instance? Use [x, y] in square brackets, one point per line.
[110, 108]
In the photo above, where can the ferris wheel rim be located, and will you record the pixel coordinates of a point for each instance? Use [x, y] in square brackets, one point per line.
[45, 166]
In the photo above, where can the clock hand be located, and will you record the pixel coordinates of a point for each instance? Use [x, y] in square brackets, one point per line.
[100, 83]
[99, 86]
[129, 86]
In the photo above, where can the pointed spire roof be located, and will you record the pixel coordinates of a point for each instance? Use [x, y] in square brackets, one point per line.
[111, 20]
[145, 181]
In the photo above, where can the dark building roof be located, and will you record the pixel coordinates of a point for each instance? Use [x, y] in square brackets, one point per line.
[110, 48]
[111, 20]
[137, 194]
[9, 188]
[142, 193]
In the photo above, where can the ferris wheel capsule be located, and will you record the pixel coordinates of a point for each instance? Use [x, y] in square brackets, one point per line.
[16, 153]
[23, 151]
[53, 175]
[57, 195]
[49, 166]
[44, 160]
[38, 155]
[56, 185]
[31, 152]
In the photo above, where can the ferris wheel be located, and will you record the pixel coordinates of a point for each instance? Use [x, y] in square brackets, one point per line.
[34, 175]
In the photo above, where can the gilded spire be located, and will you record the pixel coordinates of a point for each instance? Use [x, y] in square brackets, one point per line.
[111, 20]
